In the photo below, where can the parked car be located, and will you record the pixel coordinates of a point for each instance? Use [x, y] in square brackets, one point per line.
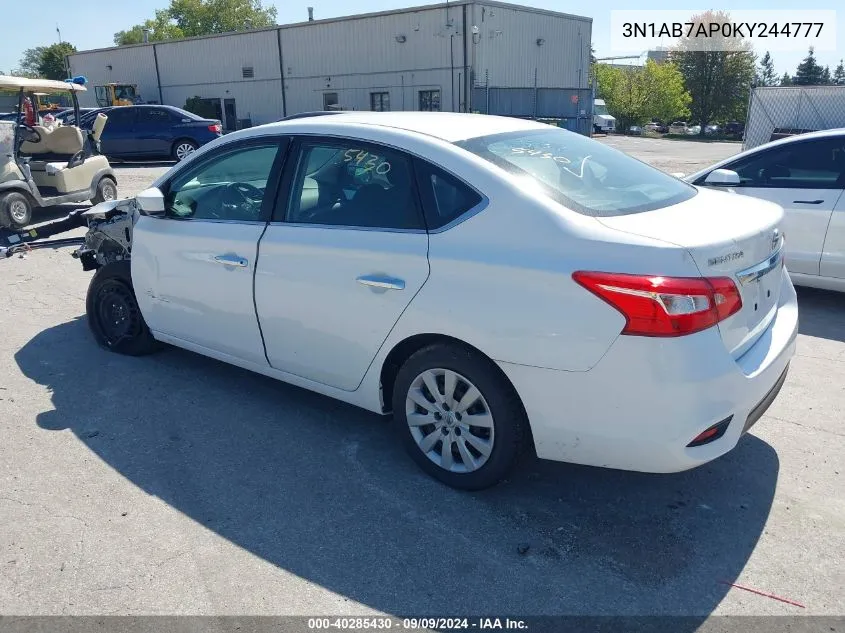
[694, 130]
[678, 127]
[712, 130]
[156, 131]
[806, 176]
[735, 129]
[380, 253]
[86, 120]
[635, 130]
[67, 117]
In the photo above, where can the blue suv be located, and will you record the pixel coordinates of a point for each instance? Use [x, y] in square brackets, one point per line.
[154, 132]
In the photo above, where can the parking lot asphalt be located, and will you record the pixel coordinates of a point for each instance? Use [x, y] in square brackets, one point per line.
[177, 484]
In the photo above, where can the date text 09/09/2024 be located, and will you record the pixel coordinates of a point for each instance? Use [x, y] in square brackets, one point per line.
[722, 29]
[413, 624]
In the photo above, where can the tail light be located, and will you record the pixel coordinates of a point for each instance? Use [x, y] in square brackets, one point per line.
[216, 128]
[664, 306]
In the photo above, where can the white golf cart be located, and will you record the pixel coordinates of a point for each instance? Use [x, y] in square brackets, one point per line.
[44, 163]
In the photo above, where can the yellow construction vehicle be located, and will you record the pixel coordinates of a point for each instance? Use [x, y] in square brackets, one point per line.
[117, 94]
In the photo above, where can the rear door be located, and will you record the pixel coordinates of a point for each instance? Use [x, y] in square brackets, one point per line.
[153, 131]
[118, 138]
[344, 256]
[805, 179]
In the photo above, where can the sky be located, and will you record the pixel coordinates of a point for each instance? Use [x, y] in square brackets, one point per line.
[92, 23]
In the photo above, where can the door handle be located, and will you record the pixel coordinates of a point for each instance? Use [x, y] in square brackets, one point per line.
[807, 201]
[381, 281]
[231, 260]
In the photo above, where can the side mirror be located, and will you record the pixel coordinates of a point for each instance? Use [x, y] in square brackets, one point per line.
[722, 178]
[151, 201]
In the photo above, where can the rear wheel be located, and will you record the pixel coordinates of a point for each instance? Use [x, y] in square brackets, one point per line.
[106, 190]
[182, 149]
[458, 416]
[15, 210]
[114, 316]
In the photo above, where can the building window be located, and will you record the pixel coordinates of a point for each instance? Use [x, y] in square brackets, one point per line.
[248, 72]
[429, 101]
[380, 101]
[330, 101]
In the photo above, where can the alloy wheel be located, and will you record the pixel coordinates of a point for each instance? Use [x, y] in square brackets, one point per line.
[18, 211]
[183, 150]
[450, 420]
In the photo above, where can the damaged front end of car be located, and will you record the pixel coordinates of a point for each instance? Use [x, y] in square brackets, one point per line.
[108, 239]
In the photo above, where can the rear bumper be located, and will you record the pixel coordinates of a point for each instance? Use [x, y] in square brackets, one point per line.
[645, 401]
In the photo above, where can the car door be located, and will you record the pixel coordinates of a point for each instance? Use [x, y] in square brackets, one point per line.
[193, 267]
[833, 255]
[118, 137]
[153, 132]
[346, 253]
[804, 178]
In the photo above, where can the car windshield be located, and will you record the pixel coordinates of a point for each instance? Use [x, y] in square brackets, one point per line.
[580, 173]
[600, 109]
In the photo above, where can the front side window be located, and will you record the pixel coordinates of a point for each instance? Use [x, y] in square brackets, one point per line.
[380, 101]
[429, 101]
[353, 184]
[230, 186]
[580, 173]
[816, 164]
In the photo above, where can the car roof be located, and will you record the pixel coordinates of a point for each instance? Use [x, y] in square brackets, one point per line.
[447, 126]
[797, 138]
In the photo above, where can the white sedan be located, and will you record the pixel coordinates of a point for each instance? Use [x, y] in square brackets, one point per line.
[804, 174]
[495, 284]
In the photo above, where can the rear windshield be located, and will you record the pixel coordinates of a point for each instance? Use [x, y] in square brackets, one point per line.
[580, 173]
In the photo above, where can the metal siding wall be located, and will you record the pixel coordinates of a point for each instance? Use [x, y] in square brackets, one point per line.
[369, 44]
[353, 91]
[359, 56]
[507, 48]
[356, 57]
[214, 60]
[133, 64]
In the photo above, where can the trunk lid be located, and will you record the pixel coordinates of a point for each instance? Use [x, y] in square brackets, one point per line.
[727, 235]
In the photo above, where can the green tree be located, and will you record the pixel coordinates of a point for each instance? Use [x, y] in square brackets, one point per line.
[159, 28]
[28, 66]
[635, 94]
[809, 72]
[766, 75]
[53, 64]
[717, 74]
[668, 98]
[839, 74]
[189, 18]
[826, 79]
[786, 80]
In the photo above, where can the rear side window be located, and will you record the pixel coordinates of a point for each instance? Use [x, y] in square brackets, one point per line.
[580, 173]
[444, 197]
[153, 116]
[354, 184]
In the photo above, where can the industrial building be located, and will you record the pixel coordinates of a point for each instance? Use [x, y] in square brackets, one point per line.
[459, 56]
